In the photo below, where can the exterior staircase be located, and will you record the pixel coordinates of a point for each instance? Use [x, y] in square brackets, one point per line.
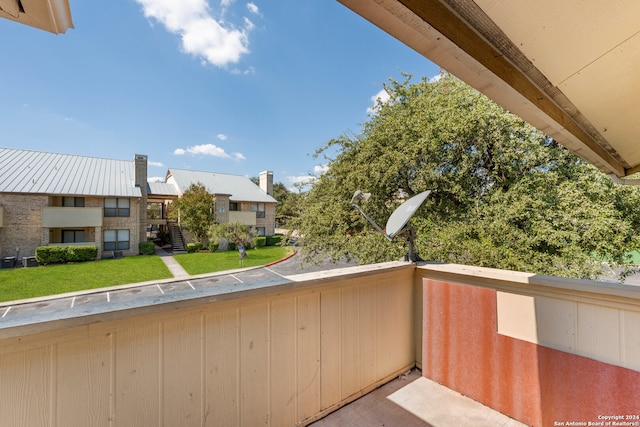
[177, 239]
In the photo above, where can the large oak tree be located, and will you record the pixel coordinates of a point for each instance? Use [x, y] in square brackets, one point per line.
[504, 195]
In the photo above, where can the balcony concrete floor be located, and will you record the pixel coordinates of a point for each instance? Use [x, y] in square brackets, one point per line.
[414, 401]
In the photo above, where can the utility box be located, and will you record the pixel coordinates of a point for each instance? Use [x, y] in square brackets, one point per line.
[29, 261]
[8, 262]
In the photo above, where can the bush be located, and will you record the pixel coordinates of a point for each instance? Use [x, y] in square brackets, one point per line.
[146, 248]
[194, 247]
[212, 246]
[62, 254]
[232, 246]
[260, 241]
[274, 240]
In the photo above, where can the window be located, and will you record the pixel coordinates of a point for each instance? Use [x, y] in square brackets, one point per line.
[258, 208]
[73, 202]
[72, 236]
[116, 207]
[233, 206]
[260, 231]
[116, 240]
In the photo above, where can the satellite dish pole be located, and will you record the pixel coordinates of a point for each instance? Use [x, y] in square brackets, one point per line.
[397, 222]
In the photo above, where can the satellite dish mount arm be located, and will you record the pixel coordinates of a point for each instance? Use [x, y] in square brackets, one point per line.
[372, 222]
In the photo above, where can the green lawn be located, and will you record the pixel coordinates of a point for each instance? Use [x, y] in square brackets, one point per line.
[205, 262]
[635, 257]
[21, 283]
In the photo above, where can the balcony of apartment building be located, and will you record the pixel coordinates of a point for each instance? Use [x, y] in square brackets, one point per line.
[248, 213]
[70, 211]
[281, 348]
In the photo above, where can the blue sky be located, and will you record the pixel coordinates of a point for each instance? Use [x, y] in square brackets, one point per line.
[226, 86]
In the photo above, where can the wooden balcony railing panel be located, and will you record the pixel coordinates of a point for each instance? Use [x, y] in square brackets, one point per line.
[281, 356]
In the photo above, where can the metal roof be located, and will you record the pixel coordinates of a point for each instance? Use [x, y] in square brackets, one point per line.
[35, 172]
[157, 188]
[239, 187]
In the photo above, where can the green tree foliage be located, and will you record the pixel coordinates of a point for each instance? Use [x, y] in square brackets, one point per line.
[235, 232]
[504, 195]
[196, 211]
[288, 204]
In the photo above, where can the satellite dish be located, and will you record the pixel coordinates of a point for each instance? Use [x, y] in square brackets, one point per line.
[398, 219]
[401, 216]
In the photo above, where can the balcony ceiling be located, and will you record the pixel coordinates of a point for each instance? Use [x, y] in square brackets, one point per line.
[567, 67]
[49, 15]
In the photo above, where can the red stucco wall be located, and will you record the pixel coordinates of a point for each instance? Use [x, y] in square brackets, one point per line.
[534, 384]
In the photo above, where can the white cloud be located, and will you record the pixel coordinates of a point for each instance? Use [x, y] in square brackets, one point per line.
[158, 164]
[301, 180]
[155, 179]
[253, 8]
[306, 180]
[221, 137]
[215, 41]
[208, 150]
[382, 96]
[320, 169]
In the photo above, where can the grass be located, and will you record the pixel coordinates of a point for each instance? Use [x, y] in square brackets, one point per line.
[205, 262]
[22, 283]
[635, 257]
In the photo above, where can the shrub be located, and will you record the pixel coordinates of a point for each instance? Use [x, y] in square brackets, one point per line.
[62, 254]
[212, 246]
[194, 247]
[274, 240]
[146, 248]
[260, 241]
[232, 246]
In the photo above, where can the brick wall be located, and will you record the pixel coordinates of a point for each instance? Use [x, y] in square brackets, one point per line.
[22, 225]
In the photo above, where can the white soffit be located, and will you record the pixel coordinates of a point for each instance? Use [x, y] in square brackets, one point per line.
[49, 15]
[568, 67]
[589, 50]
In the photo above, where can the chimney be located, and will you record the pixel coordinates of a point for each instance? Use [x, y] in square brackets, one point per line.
[140, 172]
[266, 182]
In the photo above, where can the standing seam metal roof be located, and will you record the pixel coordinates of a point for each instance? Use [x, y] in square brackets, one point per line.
[239, 187]
[25, 171]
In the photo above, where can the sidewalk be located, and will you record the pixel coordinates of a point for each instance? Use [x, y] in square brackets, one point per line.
[174, 267]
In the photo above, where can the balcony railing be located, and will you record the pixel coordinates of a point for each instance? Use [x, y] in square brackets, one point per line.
[243, 217]
[63, 217]
[286, 354]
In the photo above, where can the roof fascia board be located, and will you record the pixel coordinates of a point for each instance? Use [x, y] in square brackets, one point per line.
[434, 30]
[53, 16]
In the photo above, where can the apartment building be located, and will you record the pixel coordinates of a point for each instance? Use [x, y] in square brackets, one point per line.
[63, 199]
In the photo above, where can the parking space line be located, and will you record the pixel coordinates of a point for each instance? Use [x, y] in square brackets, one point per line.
[274, 272]
[73, 302]
[6, 311]
[108, 297]
[189, 283]
[161, 291]
[236, 278]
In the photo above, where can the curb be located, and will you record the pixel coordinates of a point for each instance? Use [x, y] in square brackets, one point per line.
[283, 259]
